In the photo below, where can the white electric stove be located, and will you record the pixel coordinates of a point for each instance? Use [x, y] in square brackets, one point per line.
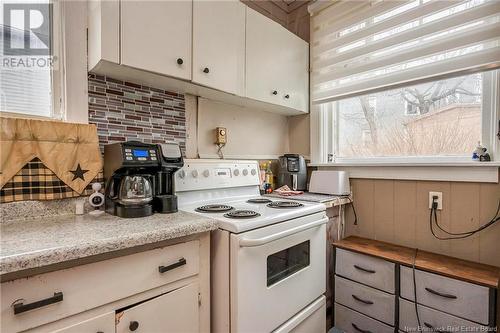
[268, 257]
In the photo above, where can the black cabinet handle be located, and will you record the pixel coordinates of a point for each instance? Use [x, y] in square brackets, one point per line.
[371, 271]
[133, 325]
[435, 329]
[275, 92]
[206, 70]
[441, 294]
[287, 96]
[362, 300]
[20, 307]
[180, 61]
[163, 269]
[359, 329]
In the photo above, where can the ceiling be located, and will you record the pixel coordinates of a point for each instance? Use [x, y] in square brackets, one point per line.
[290, 5]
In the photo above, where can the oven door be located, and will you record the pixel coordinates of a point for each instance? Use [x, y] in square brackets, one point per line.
[276, 271]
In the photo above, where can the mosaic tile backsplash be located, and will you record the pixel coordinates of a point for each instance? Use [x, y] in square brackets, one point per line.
[126, 111]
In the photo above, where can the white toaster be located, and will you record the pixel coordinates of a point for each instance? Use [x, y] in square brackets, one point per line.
[330, 182]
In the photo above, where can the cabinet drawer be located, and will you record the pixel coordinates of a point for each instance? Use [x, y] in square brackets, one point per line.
[351, 321]
[433, 320]
[104, 323]
[459, 298]
[176, 311]
[365, 269]
[70, 291]
[371, 302]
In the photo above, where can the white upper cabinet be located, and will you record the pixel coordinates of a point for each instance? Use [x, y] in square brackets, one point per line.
[276, 63]
[221, 50]
[156, 36]
[295, 81]
[219, 45]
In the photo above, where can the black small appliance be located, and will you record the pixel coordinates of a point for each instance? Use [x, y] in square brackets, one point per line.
[139, 178]
[292, 172]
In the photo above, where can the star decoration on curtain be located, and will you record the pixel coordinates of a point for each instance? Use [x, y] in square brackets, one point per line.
[78, 173]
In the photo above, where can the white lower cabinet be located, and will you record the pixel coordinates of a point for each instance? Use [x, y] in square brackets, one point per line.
[160, 290]
[176, 311]
[104, 324]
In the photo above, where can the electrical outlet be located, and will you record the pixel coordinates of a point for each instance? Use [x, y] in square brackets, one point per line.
[439, 199]
[220, 135]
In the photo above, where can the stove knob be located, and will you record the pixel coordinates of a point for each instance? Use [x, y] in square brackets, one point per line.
[245, 172]
[194, 173]
[253, 172]
[206, 173]
[182, 174]
[236, 172]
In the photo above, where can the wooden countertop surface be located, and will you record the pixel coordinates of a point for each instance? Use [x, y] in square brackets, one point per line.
[464, 270]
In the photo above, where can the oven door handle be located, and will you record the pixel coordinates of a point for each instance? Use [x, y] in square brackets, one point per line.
[245, 242]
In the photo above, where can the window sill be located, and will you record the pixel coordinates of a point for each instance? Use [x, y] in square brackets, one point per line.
[469, 171]
[409, 164]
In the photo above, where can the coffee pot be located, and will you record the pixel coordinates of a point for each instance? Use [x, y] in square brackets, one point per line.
[139, 178]
[135, 190]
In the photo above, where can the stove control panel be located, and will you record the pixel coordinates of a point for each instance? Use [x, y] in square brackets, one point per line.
[199, 174]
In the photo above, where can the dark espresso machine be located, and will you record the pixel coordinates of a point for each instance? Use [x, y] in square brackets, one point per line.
[139, 178]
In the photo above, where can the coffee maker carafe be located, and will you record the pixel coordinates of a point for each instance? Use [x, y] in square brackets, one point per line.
[139, 178]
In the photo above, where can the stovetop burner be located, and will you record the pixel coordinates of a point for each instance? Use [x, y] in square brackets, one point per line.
[259, 200]
[215, 208]
[241, 214]
[284, 204]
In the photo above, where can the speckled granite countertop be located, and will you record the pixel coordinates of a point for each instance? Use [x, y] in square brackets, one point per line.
[34, 243]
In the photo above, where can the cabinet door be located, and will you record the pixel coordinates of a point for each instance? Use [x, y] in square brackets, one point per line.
[219, 45]
[104, 323]
[276, 64]
[264, 58]
[295, 81]
[156, 36]
[176, 311]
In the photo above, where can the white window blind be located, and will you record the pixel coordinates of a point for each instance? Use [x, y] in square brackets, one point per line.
[360, 47]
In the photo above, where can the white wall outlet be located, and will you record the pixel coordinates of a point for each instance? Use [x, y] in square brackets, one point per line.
[439, 199]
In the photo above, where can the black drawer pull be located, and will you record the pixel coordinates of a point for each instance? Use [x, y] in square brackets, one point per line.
[441, 294]
[435, 329]
[362, 300]
[359, 329]
[364, 269]
[20, 307]
[163, 269]
[134, 325]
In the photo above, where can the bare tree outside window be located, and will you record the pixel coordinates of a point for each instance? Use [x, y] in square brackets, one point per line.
[445, 120]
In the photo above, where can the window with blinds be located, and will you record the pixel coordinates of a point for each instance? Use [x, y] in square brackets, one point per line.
[405, 81]
[31, 67]
[361, 47]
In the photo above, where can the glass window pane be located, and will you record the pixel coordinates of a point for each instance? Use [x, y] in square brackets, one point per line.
[287, 262]
[441, 118]
[26, 58]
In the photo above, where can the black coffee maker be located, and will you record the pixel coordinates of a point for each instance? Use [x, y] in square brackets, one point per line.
[139, 178]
